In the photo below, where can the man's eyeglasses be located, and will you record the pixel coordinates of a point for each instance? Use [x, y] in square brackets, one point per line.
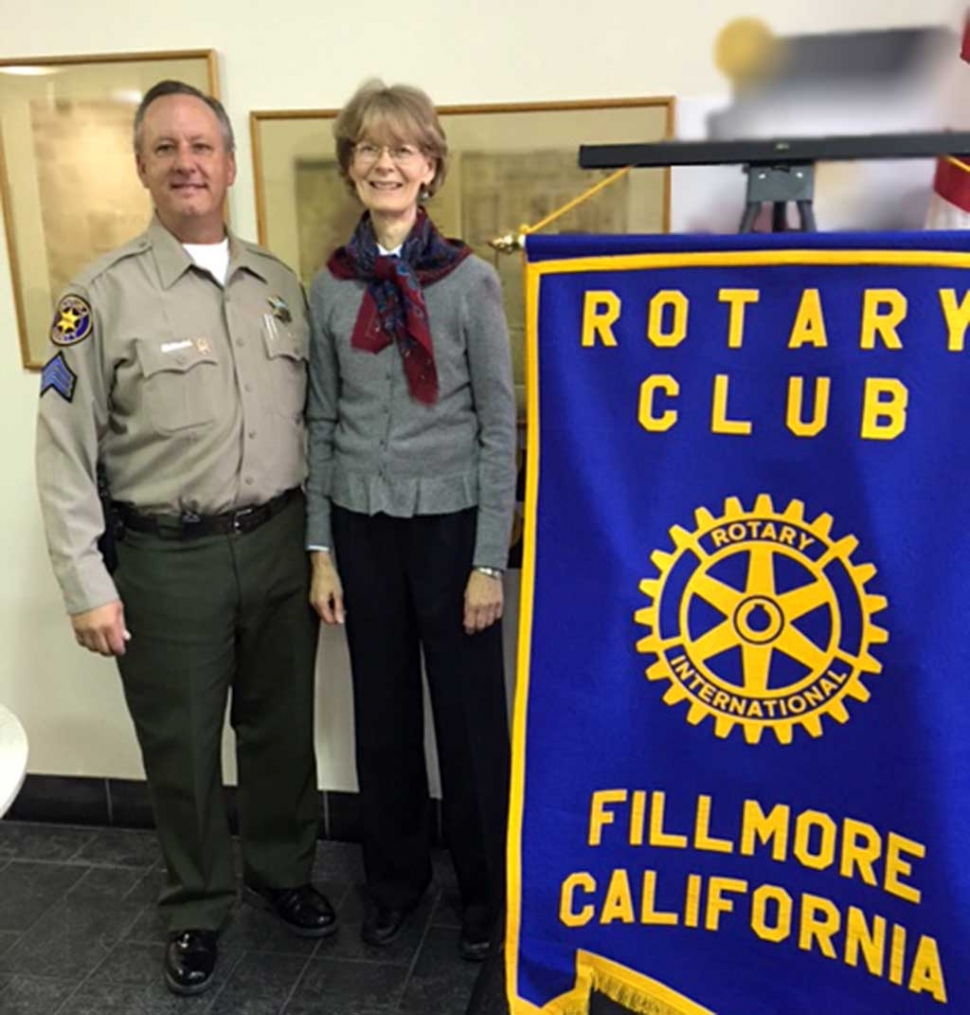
[366, 154]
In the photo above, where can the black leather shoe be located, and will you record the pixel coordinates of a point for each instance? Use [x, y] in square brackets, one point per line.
[190, 958]
[475, 941]
[383, 924]
[303, 910]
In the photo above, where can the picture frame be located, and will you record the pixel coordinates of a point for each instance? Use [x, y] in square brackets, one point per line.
[510, 164]
[68, 187]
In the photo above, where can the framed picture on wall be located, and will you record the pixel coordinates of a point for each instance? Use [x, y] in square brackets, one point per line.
[67, 177]
[509, 165]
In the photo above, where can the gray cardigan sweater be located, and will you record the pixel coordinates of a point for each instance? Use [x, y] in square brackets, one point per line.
[374, 448]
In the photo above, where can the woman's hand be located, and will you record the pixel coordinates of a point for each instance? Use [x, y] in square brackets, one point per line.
[483, 602]
[326, 592]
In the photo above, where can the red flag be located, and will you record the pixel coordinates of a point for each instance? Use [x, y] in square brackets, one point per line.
[950, 203]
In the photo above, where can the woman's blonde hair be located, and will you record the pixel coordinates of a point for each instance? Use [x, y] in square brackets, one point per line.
[395, 114]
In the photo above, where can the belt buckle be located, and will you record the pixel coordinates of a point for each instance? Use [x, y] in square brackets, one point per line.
[238, 519]
[188, 520]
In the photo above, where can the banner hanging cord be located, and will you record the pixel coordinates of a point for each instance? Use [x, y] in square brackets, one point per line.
[516, 241]
[511, 242]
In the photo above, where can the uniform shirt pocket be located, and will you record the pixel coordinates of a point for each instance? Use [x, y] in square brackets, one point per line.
[287, 347]
[180, 378]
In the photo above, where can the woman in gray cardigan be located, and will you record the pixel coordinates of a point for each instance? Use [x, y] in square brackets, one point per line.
[410, 495]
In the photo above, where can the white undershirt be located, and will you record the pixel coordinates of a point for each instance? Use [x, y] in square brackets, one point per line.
[212, 257]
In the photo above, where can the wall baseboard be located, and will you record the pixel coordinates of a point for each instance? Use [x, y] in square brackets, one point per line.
[125, 803]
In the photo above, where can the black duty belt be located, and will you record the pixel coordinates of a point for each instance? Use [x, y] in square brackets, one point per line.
[194, 526]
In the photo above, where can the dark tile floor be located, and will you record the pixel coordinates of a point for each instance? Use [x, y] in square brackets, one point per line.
[79, 935]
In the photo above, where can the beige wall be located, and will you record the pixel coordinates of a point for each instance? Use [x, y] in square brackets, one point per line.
[292, 54]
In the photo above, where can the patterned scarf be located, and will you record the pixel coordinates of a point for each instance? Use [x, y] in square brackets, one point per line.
[393, 309]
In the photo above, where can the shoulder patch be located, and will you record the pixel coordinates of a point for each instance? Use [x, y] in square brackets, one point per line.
[73, 321]
[58, 376]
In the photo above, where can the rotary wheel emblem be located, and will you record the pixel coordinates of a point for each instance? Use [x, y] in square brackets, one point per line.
[761, 620]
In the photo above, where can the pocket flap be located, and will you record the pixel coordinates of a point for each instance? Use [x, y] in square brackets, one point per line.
[178, 355]
[289, 340]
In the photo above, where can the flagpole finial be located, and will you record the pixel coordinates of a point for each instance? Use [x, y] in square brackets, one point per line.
[509, 243]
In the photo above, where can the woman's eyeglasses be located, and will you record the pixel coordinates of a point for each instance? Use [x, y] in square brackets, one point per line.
[366, 153]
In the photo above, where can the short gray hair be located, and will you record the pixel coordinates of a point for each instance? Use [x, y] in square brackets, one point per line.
[164, 88]
[401, 112]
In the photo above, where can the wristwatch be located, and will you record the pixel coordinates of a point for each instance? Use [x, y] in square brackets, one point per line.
[492, 572]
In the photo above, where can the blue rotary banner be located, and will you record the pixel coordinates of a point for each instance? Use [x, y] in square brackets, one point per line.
[742, 737]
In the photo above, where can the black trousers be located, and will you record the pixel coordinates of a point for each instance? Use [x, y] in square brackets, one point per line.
[404, 582]
[210, 617]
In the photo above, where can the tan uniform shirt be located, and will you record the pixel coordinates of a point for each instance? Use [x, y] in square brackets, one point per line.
[190, 395]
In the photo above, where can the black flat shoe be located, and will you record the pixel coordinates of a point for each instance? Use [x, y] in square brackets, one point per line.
[190, 958]
[475, 940]
[303, 910]
[473, 949]
[383, 924]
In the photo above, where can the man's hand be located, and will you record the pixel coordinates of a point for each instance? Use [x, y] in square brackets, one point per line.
[483, 602]
[326, 592]
[102, 629]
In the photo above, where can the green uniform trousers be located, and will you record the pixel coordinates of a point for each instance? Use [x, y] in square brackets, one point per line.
[206, 616]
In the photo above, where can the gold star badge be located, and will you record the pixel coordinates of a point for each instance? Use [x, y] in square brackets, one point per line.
[73, 321]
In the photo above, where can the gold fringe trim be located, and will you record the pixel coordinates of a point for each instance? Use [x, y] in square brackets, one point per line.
[637, 993]
[630, 997]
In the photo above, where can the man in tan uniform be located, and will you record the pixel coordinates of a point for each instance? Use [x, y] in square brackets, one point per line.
[178, 375]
